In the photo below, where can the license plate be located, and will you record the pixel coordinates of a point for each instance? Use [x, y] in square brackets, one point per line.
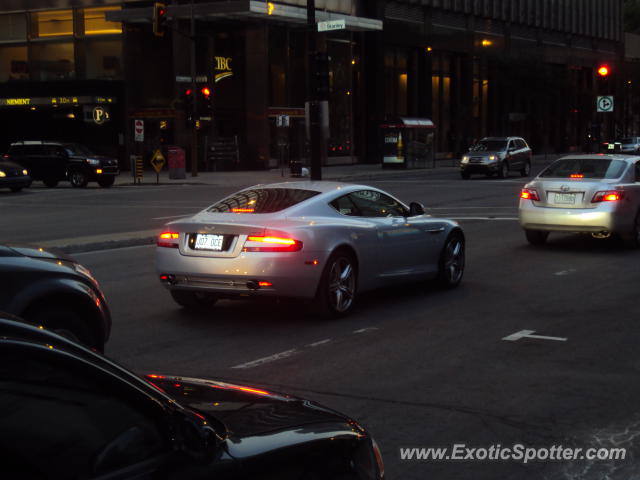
[566, 198]
[205, 241]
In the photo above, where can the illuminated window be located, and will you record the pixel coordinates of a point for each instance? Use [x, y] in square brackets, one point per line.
[95, 23]
[13, 64]
[57, 23]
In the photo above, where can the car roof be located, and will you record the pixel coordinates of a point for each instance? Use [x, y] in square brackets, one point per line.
[501, 138]
[603, 156]
[322, 186]
[38, 142]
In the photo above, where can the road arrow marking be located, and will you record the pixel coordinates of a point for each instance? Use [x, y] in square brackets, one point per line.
[529, 334]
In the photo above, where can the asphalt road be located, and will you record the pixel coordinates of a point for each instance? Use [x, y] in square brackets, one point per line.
[417, 366]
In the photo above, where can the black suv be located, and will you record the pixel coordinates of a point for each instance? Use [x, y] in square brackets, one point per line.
[70, 413]
[53, 162]
[53, 290]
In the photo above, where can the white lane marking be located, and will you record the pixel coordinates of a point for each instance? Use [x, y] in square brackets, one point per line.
[528, 334]
[317, 344]
[485, 218]
[565, 272]
[269, 359]
[367, 329]
[173, 216]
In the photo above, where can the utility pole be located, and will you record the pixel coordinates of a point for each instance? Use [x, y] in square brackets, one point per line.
[315, 127]
[194, 131]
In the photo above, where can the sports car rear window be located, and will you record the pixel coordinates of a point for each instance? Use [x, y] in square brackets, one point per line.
[262, 200]
[596, 168]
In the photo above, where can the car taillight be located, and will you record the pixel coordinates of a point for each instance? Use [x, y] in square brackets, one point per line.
[168, 239]
[607, 196]
[257, 243]
[529, 194]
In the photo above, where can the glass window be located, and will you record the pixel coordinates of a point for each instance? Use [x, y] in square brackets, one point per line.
[13, 27]
[96, 24]
[60, 421]
[489, 146]
[13, 64]
[375, 204]
[596, 168]
[52, 61]
[345, 206]
[56, 23]
[102, 58]
[262, 200]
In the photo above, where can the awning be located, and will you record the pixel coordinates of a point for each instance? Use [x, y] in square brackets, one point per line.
[243, 10]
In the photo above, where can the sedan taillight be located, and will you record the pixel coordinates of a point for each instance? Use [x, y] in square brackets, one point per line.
[168, 239]
[257, 243]
[529, 194]
[607, 196]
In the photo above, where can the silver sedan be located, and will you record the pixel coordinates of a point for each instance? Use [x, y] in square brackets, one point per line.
[591, 193]
[323, 241]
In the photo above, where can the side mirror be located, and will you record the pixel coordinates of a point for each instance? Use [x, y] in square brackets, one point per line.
[416, 209]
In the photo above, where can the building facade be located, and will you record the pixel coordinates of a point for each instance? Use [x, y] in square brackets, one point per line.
[86, 70]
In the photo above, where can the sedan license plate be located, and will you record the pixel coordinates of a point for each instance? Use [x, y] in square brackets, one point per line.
[205, 241]
[565, 198]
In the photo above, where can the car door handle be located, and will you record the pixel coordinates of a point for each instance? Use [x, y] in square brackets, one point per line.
[435, 230]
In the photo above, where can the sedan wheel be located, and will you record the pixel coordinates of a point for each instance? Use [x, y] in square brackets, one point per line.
[451, 263]
[526, 170]
[78, 179]
[536, 237]
[337, 289]
[194, 301]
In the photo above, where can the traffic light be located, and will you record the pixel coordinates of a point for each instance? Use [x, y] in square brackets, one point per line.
[321, 74]
[159, 19]
[187, 105]
[604, 70]
[205, 99]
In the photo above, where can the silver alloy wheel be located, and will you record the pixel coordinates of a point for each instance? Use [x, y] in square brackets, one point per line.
[453, 260]
[504, 170]
[526, 170]
[342, 284]
[78, 179]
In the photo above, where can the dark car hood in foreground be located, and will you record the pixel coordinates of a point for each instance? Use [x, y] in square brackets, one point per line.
[37, 252]
[9, 165]
[245, 411]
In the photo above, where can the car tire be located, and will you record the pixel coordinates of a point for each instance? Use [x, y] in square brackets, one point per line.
[16, 189]
[106, 182]
[78, 178]
[451, 261]
[194, 301]
[632, 239]
[50, 182]
[536, 237]
[338, 285]
[503, 171]
[465, 175]
[65, 322]
[526, 170]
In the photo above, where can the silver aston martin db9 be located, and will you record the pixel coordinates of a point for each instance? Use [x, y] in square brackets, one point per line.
[323, 241]
[588, 193]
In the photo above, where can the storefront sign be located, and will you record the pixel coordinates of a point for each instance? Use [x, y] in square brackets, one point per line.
[331, 25]
[222, 68]
[100, 115]
[54, 101]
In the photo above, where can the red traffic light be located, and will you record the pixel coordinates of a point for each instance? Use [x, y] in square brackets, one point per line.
[603, 70]
[188, 92]
[206, 91]
[162, 11]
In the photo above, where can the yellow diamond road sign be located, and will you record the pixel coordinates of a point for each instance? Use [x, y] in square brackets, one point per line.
[157, 161]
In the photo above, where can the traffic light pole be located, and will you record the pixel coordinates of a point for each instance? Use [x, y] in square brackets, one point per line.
[315, 126]
[194, 131]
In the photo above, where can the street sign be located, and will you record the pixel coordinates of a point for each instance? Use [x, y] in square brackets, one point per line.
[138, 130]
[331, 25]
[282, 121]
[185, 79]
[157, 161]
[605, 103]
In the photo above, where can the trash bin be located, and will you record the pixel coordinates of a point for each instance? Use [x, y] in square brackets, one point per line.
[408, 143]
[176, 162]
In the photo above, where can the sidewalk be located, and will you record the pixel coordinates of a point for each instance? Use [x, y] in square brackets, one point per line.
[343, 173]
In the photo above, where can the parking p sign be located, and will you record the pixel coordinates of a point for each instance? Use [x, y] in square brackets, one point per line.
[605, 103]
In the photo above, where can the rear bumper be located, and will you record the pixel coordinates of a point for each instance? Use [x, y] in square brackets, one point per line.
[292, 274]
[605, 217]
